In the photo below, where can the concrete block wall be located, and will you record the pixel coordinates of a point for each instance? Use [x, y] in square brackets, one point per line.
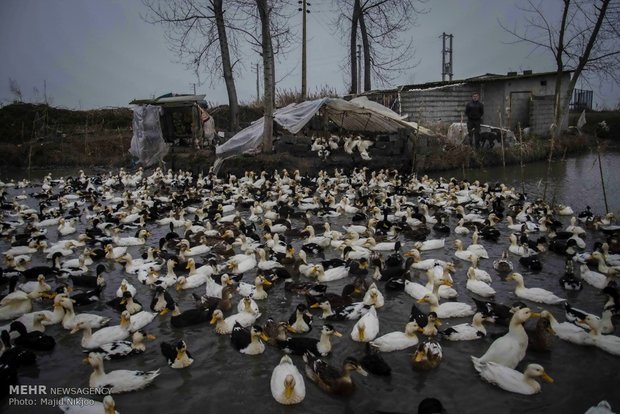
[440, 104]
[541, 114]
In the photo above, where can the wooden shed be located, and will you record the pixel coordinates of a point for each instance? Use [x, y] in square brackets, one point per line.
[182, 117]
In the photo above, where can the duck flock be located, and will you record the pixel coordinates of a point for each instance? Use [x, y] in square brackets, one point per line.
[333, 281]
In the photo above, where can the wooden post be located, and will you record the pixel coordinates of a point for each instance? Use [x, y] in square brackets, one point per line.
[501, 135]
[600, 167]
[29, 158]
[521, 157]
[461, 129]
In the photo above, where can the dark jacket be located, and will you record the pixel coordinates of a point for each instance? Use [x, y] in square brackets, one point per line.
[474, 110]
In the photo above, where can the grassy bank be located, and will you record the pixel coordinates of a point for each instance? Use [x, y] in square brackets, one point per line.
[43, 137]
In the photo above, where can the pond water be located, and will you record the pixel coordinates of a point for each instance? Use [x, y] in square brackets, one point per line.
[223, 380]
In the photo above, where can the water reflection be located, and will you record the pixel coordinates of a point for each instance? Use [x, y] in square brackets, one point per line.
[222, 380]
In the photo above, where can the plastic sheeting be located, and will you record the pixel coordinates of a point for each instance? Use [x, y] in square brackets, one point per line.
[147, 143]
[359, 114]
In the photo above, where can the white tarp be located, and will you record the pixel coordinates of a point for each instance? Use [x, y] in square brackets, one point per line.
[359, 114]
[147, 143]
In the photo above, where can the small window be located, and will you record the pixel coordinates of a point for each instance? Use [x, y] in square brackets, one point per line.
[543, 83]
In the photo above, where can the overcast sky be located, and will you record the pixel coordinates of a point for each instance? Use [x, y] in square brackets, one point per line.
[88, 54]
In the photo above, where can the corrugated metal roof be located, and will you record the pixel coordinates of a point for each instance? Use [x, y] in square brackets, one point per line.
[167, 100]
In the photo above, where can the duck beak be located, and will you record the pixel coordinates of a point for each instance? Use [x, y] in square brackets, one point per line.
[315, 305]
[264, 337]
[288, 390]
[180, 354]
[437, 322]
[212, 320]
[74, 330]
[290, 328]
[85, 360]
[164, 311]
[150, 337]
[534, 315]
[362, 371]
[509, 277]
[419, 356]
[188, 265]
[546, 377]
[338, 334]
[420, 300]
[267, 282]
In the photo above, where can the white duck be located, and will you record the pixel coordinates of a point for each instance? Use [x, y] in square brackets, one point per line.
[468, 331]
[241, 263]
[510, 379]
[373, 296]
[287, 384]
[447, 309]
[420, 264]
[255, 291]
[125, 286]
[88, 406]
[71, 319]
[519, 250]
[477, 286]
[567, 331]
[397, 340]
[191, 281]
[431, 244]
[481, 274]
[367, 327]
[138, 240]
[105, 335]
[608, 343]
[463, 254]
[534, 294]
[509, 350]
[265, 264]
[476, 247]
[593, 278]
[121, 380]
[214, 289]
[17, 303]
[331, 274]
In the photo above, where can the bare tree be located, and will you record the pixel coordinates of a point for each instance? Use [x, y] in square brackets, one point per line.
[197, 32]
[264, 10]
[583, 41]
[381, 25]
[265, 27]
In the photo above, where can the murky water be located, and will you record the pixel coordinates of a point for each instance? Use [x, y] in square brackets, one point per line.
[223, 380]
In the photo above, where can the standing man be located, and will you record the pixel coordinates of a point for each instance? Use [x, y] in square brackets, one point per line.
[474, 111]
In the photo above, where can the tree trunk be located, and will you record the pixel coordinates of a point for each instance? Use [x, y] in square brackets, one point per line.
[353, 46]
[268, 74]
[233, 103]
[557, 110]
[366, 47]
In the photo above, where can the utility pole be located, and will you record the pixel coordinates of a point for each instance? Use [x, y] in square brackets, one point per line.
[304, 10]
[446, 64]
[359, 69]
